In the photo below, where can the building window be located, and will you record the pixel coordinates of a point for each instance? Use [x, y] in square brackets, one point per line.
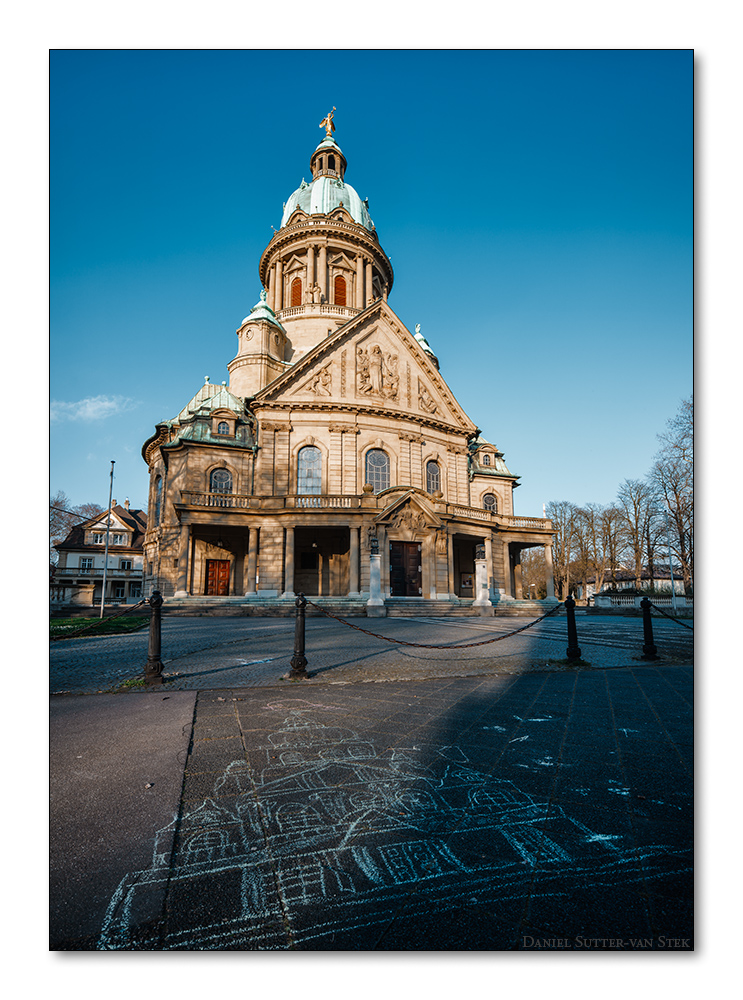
[220, 481]
[378, 469]
[223, 427]
[486, 459]
[86, 564]
[135, 590]
[433, 477]
[119, 591]
[309, 470]
[490, 502]
[149, 569]
[331, 163]
[125, 564]
[296, 292]
[339, 286]
[118, 540]
[158, 498]
[98, 538]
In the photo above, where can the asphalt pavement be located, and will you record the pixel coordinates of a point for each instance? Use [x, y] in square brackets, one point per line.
[493, 798]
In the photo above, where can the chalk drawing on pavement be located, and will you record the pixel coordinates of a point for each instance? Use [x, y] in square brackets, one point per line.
[329, 835]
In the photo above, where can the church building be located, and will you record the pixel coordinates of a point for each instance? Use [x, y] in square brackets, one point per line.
[335, 437]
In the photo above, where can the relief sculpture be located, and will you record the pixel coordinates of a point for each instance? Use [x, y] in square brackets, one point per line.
[321, 382]
[425, 400]
[377, 373]
[408, 518]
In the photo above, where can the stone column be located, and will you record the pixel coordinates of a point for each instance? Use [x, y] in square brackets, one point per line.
[310, 272]
[289, 564]
[359, 282]
[384, 549]
[183, 549]
[550, 575]
[481, 601]
[278, 295]
[369, 285]
[375, 605]
[353, 565]
[517, 589]
[489, 561]
[450, 565]
[428, 553]
[322, 277]
[271, 286]
[252, 560]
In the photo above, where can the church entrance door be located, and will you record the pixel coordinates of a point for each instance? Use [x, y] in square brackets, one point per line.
[218, 577]
[405, 569]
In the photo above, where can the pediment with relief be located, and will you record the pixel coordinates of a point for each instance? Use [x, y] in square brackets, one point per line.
[408, 513]
[372, 361]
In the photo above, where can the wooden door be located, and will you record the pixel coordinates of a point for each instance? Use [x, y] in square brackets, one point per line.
[218, 577]
[405, 569]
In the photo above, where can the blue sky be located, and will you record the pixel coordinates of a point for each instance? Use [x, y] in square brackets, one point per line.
[536, 206]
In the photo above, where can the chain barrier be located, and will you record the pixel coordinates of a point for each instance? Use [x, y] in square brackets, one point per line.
[87, 628]
[690, 627]
[424, 645]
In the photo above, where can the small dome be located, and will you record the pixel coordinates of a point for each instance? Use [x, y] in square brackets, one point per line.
[323, 195]
[262, 310]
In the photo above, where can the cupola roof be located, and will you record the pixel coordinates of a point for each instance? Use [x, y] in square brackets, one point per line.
[262, 310]
[327, 190]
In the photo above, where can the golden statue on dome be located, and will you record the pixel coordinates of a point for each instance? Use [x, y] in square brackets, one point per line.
[327, 124]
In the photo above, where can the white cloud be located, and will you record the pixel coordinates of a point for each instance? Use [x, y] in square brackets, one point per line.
[91, 408]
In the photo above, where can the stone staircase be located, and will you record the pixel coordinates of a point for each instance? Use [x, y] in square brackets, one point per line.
[345, 607]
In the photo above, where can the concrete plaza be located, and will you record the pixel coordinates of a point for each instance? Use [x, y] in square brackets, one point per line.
[400, 799]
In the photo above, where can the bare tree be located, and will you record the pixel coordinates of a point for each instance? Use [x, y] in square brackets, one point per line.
[563, 515]
[63, 517]
[672, 481]
[611, 540]
[590, 524]
[637, 504]
[534, 572]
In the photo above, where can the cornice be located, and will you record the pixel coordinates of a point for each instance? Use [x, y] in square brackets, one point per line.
[361, 409]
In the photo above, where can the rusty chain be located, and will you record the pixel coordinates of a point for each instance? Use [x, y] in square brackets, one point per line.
[87, 628]
[690, 627]
[424, 645]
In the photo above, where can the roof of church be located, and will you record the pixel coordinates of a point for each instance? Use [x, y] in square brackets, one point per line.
[210, 397]
[323, 194]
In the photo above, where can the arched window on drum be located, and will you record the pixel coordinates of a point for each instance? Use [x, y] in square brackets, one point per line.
[377, 470]
[490, 502]
[433, 477]
[339, 288]
[296, 292]
[309, 470]
[158, 498]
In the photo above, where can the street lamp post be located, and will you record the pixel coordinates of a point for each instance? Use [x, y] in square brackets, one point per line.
[108, 530]
[670, 565]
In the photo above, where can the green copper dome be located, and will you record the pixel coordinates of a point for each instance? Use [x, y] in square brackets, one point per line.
[325, 193]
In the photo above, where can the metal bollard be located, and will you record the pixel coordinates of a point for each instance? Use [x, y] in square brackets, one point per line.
[573, 650]
[299, 661]
[153, 671]
[649, 649]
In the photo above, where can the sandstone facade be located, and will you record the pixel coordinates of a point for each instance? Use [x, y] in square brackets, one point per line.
[336, 428]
